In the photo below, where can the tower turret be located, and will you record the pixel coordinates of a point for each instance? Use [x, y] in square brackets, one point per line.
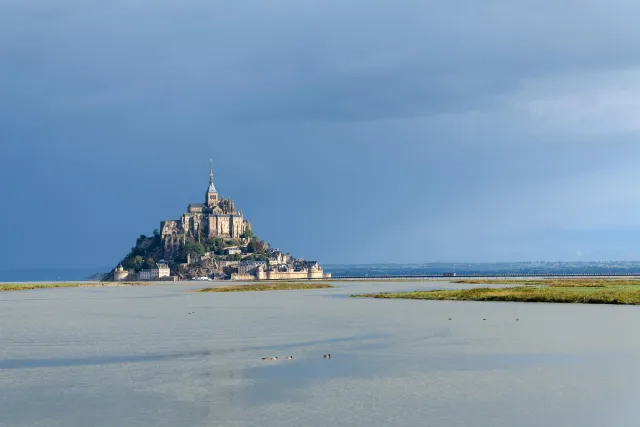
[211, 197]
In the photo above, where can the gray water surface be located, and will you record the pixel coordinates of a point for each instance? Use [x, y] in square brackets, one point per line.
[134, 356]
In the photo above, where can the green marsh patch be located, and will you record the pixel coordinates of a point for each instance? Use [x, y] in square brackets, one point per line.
[31, 286]
[577, 291]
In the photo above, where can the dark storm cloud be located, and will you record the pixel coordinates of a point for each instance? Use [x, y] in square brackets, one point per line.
[373, 125]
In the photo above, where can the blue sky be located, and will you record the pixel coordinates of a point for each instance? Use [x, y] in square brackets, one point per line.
[396, 131]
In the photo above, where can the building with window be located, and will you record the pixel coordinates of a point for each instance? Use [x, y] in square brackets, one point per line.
[234, 251]
[160, 270]
[216, 218]
[250, 267]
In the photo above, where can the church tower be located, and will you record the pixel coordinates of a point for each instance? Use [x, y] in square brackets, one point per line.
[212, 194]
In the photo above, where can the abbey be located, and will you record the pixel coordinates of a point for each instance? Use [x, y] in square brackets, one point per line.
[211, 240]
[217, 217]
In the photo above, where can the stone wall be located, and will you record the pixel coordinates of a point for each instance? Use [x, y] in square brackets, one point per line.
[291, 275]
[282, 275]
[318, 274]
[243, 277]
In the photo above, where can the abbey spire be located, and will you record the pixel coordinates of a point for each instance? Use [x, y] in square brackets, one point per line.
[212, 188]
[212, 194]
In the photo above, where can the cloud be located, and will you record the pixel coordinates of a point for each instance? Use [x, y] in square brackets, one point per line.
[604, 101]
[391, 123]
[313, 61]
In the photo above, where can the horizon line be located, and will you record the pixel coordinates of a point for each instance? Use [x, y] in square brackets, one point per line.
[365, 264]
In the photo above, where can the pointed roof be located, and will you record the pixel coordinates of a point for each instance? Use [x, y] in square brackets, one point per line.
[212, 188]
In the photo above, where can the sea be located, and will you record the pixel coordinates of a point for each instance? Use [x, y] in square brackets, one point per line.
[164, 355]
[375, 270]
[51, 274]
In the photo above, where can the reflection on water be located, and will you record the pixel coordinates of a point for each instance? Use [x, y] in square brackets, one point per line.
[292, 376]
[359, 340]
[95, 360]
[164, 356]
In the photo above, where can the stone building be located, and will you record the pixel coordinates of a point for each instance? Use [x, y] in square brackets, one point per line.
[313, 271]
[120, 274]
[250, 267]
[160, 270]
[163, 270]
[234, 250]
[145, 275]
[216, 217]
[279, 258]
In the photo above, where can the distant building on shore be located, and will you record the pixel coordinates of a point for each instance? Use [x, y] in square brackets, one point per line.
[250, 267]
[120, 274]
[159, 272]
[311, 270]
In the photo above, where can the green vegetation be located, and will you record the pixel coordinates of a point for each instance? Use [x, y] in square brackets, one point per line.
[145, 254]
[193, 248]
[148, 250]
[234, 257]
[217, 245]
[258, 257]
[584, 291]
[257, 246]
[278, 286]
[30, 286]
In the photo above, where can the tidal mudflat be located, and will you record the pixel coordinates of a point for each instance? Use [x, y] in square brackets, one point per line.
[166, 356]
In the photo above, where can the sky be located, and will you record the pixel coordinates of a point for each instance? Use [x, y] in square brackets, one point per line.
[347, 132]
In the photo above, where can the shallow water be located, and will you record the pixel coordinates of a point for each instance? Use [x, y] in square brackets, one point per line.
[134, 356]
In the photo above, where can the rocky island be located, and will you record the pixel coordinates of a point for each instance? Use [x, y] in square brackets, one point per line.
[211, 240]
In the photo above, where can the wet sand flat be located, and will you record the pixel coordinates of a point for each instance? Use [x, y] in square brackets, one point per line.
[167, 356]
